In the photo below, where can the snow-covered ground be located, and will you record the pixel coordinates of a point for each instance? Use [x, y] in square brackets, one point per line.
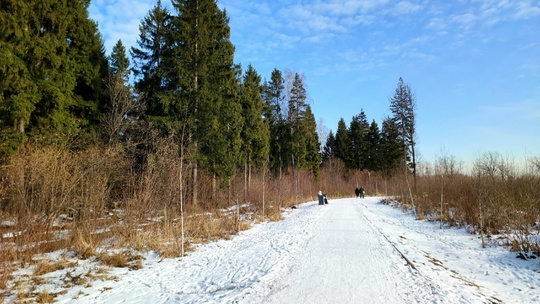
[349, 251]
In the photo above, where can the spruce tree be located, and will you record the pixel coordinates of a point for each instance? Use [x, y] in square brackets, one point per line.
[274, 97]
[391, 147]
[19, 92]
[119, 62]
[312, 160]
[255, 133]
[153, 72]
[403, 107]
[223, 97]
[232, 123]
[296, 114]
[329, 148]
[358, 130]
[91, 67]
[343, 143]
[203, 62]
[373, 145]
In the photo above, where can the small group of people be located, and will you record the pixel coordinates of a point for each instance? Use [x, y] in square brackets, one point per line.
[360, 192]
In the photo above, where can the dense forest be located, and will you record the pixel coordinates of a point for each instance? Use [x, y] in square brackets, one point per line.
[174, 127]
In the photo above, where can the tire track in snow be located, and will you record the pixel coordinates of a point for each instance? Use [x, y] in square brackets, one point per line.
[420, 285]
[451, 293]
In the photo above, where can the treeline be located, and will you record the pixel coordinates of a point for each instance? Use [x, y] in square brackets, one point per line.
[365, 146]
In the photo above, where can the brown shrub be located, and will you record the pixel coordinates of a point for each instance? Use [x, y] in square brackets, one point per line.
[114, 260]
[44, 267]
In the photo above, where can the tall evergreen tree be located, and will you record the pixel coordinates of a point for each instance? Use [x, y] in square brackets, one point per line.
[274, 96]
[91, 68]
[343, 143]
[19, 92]
[255, 133]
[232, 123]
[119, 62]
[223, 89]
[296, 114]
[154, 79]
[391, 147]
[403, 107]
[203, 60]
[373, 148]
[329, 148]
[358, 130]
[312, 160]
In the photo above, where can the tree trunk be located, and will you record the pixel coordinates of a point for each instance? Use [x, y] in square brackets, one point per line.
[245, 180]
[21, 125]
[195, 185]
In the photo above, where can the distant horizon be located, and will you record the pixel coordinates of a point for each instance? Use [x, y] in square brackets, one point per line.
[474, 67]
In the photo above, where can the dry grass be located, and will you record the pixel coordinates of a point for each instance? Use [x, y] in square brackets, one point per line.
[71, 279]
[114, 260]
[44, 267]
[6, 275]
[83, 244]
[44, 297]
[121, 259]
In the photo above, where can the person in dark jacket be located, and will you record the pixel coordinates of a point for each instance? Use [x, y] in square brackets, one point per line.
[357, 192]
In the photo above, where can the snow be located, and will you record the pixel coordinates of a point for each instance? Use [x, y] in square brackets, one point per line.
[349, 251]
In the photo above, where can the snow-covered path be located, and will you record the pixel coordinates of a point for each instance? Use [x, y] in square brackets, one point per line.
[348, 261]
[349, 251]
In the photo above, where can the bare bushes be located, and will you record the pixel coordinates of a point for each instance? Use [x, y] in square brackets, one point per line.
[496, 197]
[46, 190]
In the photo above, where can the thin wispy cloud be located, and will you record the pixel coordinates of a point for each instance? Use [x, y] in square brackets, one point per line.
[406, 7]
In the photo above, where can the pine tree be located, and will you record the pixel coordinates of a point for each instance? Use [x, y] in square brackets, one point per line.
[329, 148]
[255, 133]
[203, 62]
[296, 111]
[343, 143]
[403, 107]
[152, 69]
[312, 160]
[91, 67]
[373, 145]
[391, 147]
[274, 96]
[358, 130]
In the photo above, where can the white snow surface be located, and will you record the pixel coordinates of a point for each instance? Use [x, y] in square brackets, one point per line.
[349, 251]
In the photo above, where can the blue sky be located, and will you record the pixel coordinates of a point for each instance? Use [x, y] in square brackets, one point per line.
[474, 65]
